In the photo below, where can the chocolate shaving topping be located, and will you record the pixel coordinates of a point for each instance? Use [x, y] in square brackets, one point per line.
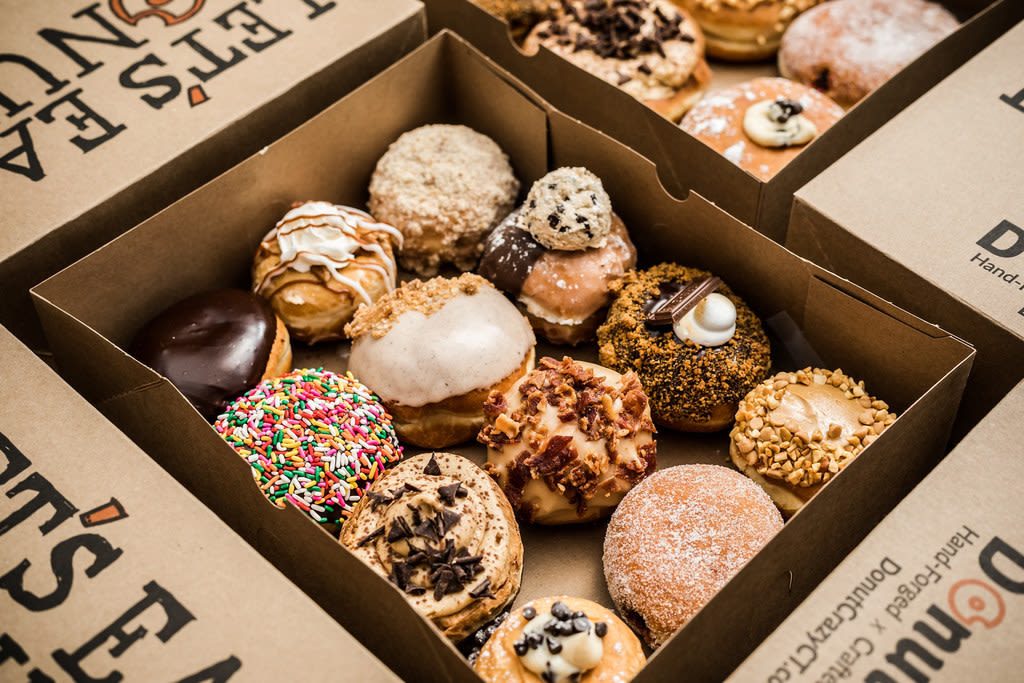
[370, 536]
[483, 590]
[416, 517]
[447, 494]
[377, 498]
[432, 467]
[410, 488]
[448, 520]
[399, 530]
[682, 302]
[616, 27]
[427, 529]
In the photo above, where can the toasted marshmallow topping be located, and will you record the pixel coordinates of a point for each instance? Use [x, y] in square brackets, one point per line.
[712, 322]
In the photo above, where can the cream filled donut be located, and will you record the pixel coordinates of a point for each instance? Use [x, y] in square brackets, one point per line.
[568, 440]
[434, 350]
[321, 262]
[558, 253]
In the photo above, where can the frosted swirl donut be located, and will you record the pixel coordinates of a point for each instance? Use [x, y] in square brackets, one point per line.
[434, 350]
[561, 640]
[314, 439]
[848, 48]
[321, 262]
[677, 538]
[568, 440]
[439, 529]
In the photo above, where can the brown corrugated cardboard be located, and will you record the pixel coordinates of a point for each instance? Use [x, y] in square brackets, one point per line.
[927, 213]
[109, 569]
[686, 164]
[92, 309]
[115, 110]
[934, 593]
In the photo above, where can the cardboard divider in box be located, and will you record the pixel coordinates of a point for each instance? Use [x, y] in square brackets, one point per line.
[934, 221]
[110, 570]
[685, 163]
[935, 591]
[92, 309]
[114, 110]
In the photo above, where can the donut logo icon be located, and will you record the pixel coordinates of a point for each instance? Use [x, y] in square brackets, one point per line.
[170, 11]
[974, 601]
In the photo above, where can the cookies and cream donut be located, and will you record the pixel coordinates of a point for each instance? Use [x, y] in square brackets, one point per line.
[695, 345]
[744, 30]
[677, 538]
[848, 48]
[215, 345]
[651, 49]
[444, 187]
[568, 440]
[762, 124]
[321, 262]
[442, 531]
[434, 350]
[561, 639]
[557, 253]
[797, 430]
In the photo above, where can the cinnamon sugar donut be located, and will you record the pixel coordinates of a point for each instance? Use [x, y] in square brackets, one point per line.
[744, 30]
[761, 125]
[847, 48]
[677, 538]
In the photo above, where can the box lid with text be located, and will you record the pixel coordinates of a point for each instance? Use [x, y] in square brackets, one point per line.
[936, 592]
[113, 110]
[927, 212]
[109, 569]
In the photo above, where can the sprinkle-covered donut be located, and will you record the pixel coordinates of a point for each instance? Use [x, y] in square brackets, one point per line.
[314, 438]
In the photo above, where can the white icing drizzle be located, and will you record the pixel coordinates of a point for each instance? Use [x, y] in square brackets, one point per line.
[324, 234]
[712, 322]
[559, 658]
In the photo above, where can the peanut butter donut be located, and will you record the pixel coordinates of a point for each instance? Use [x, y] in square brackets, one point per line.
[442, 531]
[848, 48]
[744, 30]
[761, 125]
[695, 345]
[795, 431]
[560, 640]
[568, 440]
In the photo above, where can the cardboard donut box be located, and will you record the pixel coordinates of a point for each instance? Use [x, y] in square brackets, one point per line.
[686, 164]
[110, 570]
[112, 110]
[92, 309]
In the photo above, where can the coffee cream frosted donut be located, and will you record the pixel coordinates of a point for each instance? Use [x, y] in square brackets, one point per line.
[314, 439]
[434, 350]
[215, 345]
[321, 262]
[442, 531]
[744, 30]
[444, 187]
[848, 48]
[695, 345]
[557, 254]
[797, 430]
[761, 125]
[677, 538]
[561, 640]
[651, 49]
[568, 440]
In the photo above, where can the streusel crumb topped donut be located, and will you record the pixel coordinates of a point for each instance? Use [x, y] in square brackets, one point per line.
[442, 531]
[444, 187]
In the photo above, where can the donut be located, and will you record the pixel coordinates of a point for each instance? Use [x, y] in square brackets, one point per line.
[795, 431]
[568, 440]
[434, 350]
[677, 538]
[744, 30]
[441, 530]
[557, 253]
[314, 439]
[651, 49]
[561, 639]
[321, 262]
[213, 346]
[847, 48]
[761, 125]
[695, 345]
[521, 15]
[444, 187]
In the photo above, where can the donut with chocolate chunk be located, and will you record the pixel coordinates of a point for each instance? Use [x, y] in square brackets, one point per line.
[568, 440]
[695, 345]
[443, 532]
